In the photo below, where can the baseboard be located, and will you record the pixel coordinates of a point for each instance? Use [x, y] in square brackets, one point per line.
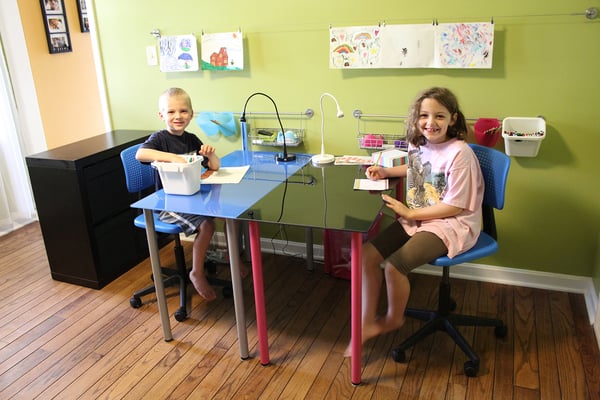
[597, 323]
[478, 272]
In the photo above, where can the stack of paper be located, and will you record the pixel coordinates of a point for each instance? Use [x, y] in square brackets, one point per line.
[369, 184]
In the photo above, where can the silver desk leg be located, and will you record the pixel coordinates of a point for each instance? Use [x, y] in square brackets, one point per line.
[157, 276]
[236, 281]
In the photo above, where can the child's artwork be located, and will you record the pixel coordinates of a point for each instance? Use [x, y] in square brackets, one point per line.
[222, 51]
[412, 46]
[178, 53]
[465, 45]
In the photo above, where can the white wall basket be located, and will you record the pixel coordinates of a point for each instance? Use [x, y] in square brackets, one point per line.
[523, 135]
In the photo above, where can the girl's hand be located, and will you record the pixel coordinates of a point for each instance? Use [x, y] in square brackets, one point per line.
[375, 172]
[397, 206]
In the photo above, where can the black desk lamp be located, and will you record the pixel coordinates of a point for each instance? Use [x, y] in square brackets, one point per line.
[280, 156]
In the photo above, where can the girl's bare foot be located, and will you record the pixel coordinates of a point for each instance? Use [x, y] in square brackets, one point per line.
[202, 286]
[369, 331]
[378, 327]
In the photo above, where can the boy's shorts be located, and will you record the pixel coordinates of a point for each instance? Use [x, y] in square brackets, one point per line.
[189, 223]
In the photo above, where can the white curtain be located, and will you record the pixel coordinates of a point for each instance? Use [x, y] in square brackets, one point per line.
[17, 206]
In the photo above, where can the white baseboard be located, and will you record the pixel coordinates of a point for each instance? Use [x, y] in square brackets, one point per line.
[478, 272]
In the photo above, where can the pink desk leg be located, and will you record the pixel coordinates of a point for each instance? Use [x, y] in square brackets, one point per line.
[356, 307]
[259, 292]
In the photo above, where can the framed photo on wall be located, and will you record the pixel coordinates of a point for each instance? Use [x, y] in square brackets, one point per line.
[84, 22]
[56, 26]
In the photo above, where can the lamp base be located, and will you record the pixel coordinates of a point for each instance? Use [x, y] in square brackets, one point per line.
[322, 158]
[284, 157]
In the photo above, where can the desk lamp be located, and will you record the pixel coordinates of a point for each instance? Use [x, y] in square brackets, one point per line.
[280, 156]
[326, 158]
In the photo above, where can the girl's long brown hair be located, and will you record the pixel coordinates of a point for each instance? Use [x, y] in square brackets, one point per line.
[446, 98]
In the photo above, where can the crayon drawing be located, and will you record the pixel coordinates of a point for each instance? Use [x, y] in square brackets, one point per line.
[465, 45]
[462, 45]
[178, 53]
[222, 51]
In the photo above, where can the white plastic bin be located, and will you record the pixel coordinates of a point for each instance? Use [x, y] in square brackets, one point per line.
[181, 178]
[523, 136]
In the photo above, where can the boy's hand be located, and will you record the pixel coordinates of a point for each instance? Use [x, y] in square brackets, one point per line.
[206, 150]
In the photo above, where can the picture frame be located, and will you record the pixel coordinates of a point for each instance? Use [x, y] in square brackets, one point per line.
[84, 22]
[56, 26]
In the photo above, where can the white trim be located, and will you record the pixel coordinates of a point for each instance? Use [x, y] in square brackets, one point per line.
[525, 278]
[99, 66]
[30, 120]
[597, 322]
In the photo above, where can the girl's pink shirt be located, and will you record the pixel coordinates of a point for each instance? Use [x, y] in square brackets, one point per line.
[455, 163]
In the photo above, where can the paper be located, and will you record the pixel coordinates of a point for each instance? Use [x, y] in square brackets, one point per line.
[369, 184]
[353, 160]
[225, 175]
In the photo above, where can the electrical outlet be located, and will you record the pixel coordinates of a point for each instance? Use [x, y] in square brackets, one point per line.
[151, 56]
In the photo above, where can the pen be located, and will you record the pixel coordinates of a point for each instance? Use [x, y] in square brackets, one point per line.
[378, 159]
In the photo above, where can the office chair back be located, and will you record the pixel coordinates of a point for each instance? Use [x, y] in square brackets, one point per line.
[138, 176]
[494, 167]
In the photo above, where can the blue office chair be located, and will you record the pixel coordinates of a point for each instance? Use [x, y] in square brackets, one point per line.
[139, 178]
[494, 166]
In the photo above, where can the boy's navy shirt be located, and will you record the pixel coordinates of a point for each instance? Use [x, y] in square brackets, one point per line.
[162, 140]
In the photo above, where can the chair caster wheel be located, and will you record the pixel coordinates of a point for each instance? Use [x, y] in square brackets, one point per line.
[180, 315]
[227, 292]
[452, 305]
[398, 355]
[501, 331]
[471, 368]
[135, 302]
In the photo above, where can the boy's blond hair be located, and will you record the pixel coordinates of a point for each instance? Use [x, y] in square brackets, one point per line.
[173, 92]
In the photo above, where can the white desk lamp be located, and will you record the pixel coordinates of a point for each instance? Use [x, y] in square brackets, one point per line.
[325, 158]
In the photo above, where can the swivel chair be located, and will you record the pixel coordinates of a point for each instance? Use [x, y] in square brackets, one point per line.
[139, 178]
[494, 166]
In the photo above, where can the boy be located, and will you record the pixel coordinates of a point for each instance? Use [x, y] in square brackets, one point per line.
[175, 109]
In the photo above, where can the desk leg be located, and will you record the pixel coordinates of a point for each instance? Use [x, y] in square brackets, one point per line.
[236, 281]
[308, 238]
[259, 292]
[157, 276]
[356, 307]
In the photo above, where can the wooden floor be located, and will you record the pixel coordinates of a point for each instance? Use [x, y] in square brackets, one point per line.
[61, 341]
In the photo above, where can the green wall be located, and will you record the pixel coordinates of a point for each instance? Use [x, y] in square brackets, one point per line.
[546, 62]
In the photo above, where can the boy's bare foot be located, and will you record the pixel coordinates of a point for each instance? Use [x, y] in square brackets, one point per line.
[202, 286]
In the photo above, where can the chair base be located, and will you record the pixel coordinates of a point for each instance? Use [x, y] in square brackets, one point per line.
[180, 276]
[444, 320]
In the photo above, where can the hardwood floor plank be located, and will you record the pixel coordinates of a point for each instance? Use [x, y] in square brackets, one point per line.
[526, 358]
[549, 383]
[504, 382]
[62, 341]
[590, 353]
[570, 367]
[484, 344]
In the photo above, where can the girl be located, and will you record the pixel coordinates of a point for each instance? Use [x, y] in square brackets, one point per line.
[443, 211]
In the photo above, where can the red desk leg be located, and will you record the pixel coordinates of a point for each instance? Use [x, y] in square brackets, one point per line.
[356, 307]
[259, 292]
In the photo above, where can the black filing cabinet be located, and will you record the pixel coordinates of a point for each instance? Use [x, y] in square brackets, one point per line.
[84, 209]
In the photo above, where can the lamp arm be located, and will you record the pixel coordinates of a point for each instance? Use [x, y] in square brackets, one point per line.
[326, 158]
[280, 157]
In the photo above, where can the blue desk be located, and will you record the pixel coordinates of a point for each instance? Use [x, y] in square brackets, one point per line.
[306, 196]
